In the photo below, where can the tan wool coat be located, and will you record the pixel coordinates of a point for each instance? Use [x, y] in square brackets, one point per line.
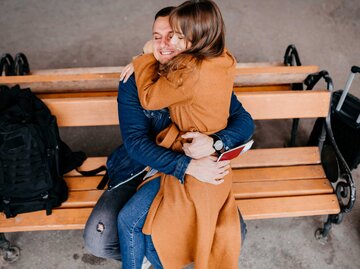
[195, 221]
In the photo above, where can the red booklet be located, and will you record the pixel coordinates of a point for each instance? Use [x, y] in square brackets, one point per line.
[233, 153]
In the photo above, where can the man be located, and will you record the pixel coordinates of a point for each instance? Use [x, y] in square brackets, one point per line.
[139, 127]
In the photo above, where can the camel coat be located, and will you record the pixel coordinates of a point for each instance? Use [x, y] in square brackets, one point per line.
[195, 221]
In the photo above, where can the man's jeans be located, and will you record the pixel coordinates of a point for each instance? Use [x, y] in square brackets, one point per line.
[101, 234]
[131, 221]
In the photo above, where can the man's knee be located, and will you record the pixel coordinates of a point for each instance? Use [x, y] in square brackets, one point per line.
[101, 242]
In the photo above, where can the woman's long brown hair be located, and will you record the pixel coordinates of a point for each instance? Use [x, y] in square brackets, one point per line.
[201, 24]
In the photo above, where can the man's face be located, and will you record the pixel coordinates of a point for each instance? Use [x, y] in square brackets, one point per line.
[164, 50]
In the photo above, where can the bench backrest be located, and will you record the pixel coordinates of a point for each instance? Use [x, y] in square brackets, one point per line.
[107, 78]
[93, 110]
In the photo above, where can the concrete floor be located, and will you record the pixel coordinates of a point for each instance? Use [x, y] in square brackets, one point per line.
[60, 34]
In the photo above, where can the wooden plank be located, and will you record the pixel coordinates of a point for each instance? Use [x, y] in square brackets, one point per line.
[96, 111]
[118, 69]
[277, 157]
[102, 93]
[114, 91]
[296, 206]
[76, 183]
[89, 164]
[286, 104]
[273, 75]
[84, 79]
[60, 219]
[281, 188]
[259, 64]
[89, 111]
[269, 88]
[82, 199]
[82, 183]
[64, 82]
[262, 208]
[79, 70]
[278, 173]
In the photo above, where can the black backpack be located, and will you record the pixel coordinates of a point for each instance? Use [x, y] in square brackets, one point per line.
[30, 155]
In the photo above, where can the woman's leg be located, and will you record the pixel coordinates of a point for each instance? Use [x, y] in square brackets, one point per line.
[131, 220]
[100, 234]
[243, 229]
[151, 253]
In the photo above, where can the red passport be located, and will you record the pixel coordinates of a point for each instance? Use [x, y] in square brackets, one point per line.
[233, 153]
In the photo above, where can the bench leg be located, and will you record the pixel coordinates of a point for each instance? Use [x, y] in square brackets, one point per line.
[9, 253]
[294, 129]
[322, 233]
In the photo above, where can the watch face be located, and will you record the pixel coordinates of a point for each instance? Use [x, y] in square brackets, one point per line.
[218, 145]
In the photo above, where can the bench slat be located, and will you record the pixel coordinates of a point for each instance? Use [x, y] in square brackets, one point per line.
[81, 183]
[277, 157]
[118, 69]
[278, 173]
[82, 199]
[268, 88]
[262, 208]
[98, 111]
[273, 75]
[281, 188]
[286, 104]
[77, 183]
[253, 158]
[60, 219]
[85, 79]
[114, 91]
[280, 207]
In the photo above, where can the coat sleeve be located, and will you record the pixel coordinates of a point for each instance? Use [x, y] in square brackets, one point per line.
[165, 91]
[139, 138]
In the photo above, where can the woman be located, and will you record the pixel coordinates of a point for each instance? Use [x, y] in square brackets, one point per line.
[196, 86]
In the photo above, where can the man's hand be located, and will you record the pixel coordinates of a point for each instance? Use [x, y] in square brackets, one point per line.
[200, 147]
[208, 170]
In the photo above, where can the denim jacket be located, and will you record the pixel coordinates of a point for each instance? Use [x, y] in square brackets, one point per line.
[139, 128]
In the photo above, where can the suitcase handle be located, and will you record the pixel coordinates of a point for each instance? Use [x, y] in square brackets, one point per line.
[355, 69]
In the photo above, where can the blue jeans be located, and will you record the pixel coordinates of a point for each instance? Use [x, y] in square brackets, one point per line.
[131, 220]
[101, 234]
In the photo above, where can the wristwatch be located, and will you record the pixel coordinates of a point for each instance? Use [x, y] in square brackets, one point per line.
[218, 145]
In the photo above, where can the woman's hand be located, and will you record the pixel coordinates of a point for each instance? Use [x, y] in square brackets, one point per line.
[200, 147]
[127, 72]
[148, 47]
[129, 69]
[208, 170]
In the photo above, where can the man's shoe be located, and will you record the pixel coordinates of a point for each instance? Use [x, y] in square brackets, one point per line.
[7, 66]
[21, 67]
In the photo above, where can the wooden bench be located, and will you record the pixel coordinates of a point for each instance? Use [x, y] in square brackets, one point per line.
[268, 183]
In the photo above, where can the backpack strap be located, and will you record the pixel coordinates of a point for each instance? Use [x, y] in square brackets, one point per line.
[104, 181]
[94, 172]
[6, 207]
[45, 196]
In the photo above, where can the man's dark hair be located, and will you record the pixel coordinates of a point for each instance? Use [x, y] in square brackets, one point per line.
[164, 12]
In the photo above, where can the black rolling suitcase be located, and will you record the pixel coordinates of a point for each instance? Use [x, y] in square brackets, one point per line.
[345, 122]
